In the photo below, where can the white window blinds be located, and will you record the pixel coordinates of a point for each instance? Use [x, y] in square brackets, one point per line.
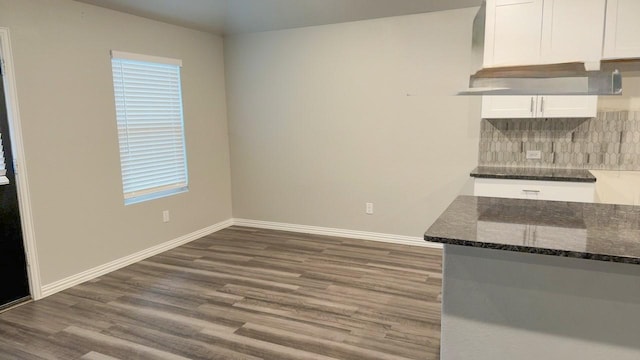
[150, 125]
[3, 166]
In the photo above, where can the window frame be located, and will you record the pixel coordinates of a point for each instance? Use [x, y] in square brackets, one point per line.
[176, 152]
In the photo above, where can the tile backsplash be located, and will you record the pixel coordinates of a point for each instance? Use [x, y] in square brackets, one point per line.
[610, 141]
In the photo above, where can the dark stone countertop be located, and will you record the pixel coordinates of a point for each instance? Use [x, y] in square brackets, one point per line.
[522, 173]
[581, 230]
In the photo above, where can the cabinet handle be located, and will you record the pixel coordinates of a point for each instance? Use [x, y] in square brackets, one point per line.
[531, 105]
[531, 191]
[542, 106]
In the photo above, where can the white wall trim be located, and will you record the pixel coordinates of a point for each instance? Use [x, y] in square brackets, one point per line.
[22, 179]
[54, 287]
[147, 58]
[352, 234]
[60, 285]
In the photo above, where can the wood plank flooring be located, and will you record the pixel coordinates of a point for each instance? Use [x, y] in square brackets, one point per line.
[244, 294]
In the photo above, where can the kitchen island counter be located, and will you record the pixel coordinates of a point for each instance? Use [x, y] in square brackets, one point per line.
[603, 232]
[534, 279]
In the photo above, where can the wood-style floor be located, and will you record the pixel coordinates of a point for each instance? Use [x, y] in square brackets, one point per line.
[244, 294]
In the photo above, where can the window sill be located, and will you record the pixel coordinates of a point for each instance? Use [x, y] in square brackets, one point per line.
[156, 195]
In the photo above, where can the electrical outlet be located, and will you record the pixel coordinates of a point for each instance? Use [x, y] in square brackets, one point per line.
[369, 208]
[165, 216]
[534, 154]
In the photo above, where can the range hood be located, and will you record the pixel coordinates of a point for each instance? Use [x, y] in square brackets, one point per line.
[558, 79]
[549, 79]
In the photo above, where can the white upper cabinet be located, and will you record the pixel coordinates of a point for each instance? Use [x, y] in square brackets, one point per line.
[622, 32]
[572, 30]
[515, 107]
[567, 106]
[527, 32]
[513, 30]
[498, 107]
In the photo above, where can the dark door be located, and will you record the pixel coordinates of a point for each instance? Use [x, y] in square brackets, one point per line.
[14, 283]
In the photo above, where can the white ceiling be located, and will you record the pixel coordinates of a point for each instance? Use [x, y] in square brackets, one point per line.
[241, 16]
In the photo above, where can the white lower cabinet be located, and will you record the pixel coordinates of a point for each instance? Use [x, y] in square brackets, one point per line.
[535, 189]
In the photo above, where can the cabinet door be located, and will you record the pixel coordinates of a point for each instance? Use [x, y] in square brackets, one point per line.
[508, 106]
[499, 107]
[513, 32]
[573, 30]
[535, 189]
[622, 28]
[567, 106]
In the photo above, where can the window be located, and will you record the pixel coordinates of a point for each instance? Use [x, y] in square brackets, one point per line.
[3, 168]
[150, 126]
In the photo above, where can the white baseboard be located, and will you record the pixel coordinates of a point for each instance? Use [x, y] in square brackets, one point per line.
[57, 286]
[54, 287]
[353, 234]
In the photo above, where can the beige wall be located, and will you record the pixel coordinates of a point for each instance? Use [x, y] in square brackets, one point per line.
[324, 119]
[617, 187]
[65, 92]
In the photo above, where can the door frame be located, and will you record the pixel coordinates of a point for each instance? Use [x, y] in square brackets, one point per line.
[24, 198]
